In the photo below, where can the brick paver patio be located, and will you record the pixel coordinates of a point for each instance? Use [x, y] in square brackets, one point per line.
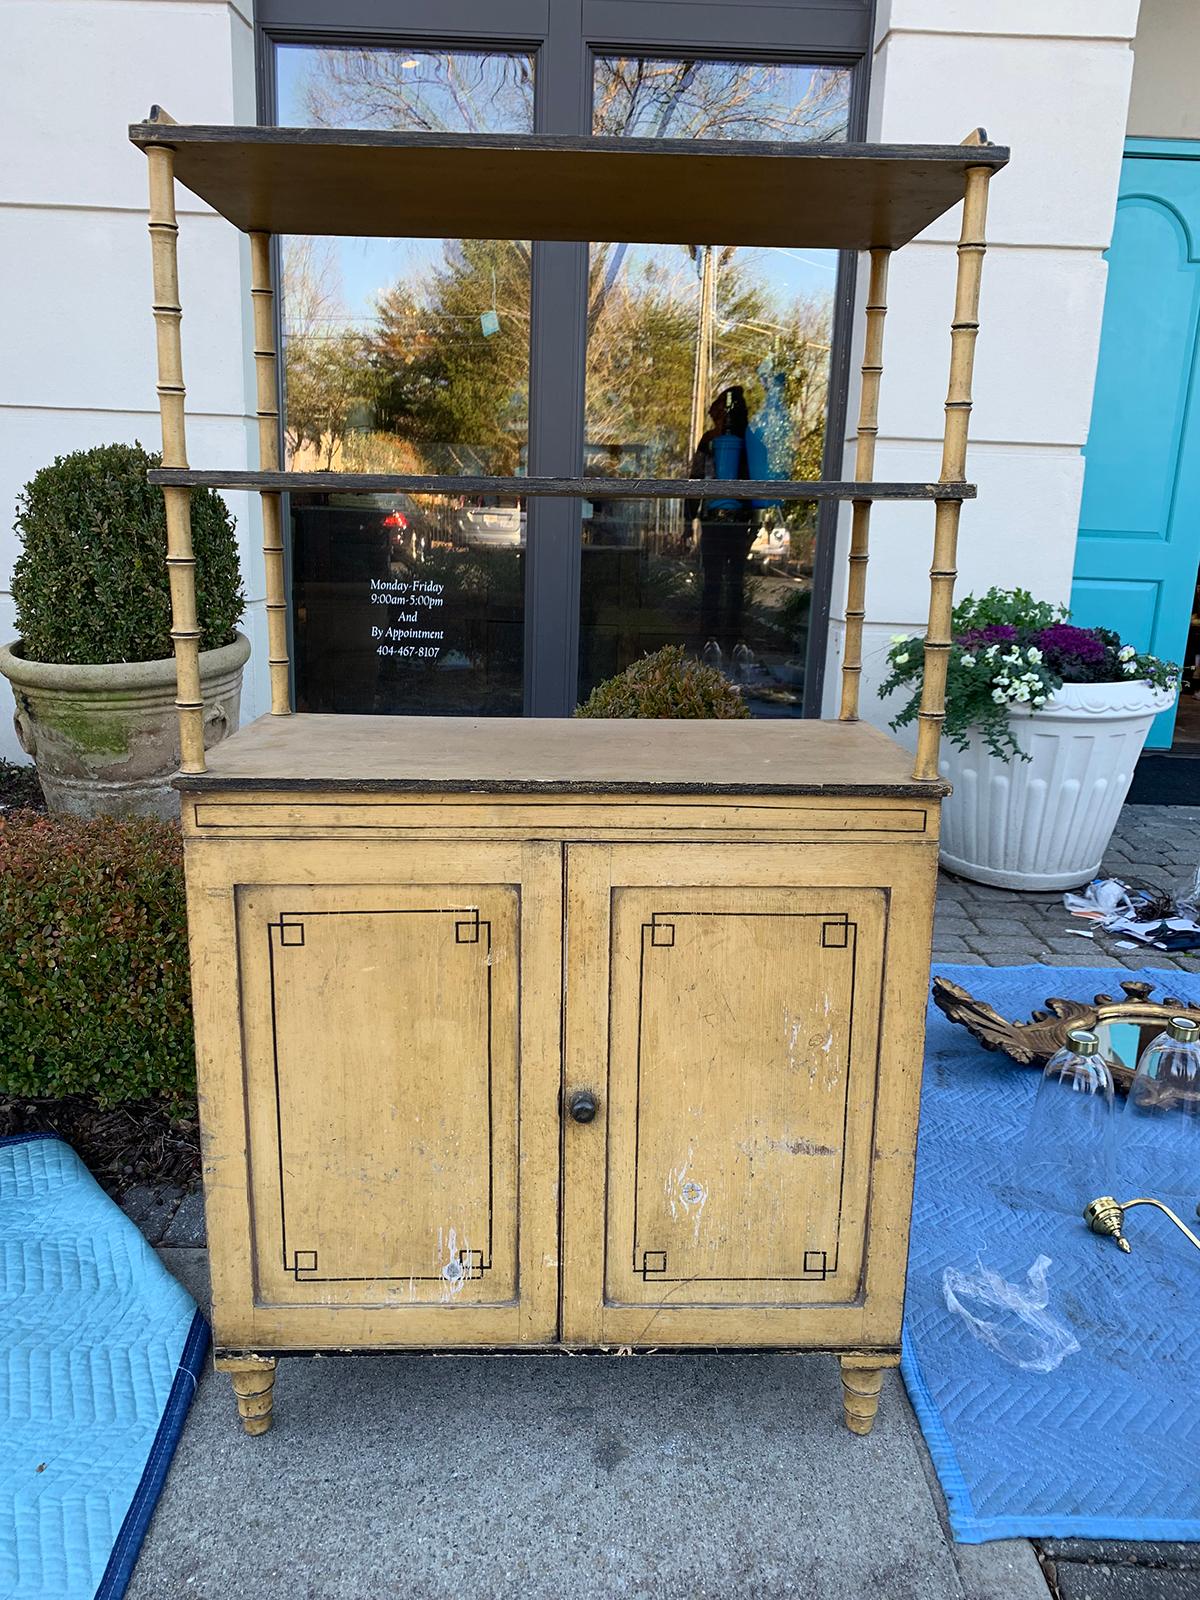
[1154, 846]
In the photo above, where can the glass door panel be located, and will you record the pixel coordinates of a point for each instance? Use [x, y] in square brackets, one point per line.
[407, 355]
[658, 97]
[408, 604]
[707, 361]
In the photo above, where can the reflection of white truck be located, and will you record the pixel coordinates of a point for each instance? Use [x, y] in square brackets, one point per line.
[489, 521]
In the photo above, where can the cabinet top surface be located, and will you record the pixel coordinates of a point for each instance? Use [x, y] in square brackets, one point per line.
[522, 186]
[559, 756]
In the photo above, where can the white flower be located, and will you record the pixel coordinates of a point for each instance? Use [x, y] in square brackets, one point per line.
[1039, 700]
[1033, 654]
[1128, 667]
[991, 651]
[966, 660]
[1021, 692]
[999, 696]
[1126, 653]
[1030, 677]
[901, 658]
[899, 638]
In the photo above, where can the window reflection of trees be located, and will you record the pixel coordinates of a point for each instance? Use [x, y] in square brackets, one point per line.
[416, 91]
[424, 384]
[431, 374]
[657, 98]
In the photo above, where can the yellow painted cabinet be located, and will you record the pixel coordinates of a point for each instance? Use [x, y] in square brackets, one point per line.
[512, 1092]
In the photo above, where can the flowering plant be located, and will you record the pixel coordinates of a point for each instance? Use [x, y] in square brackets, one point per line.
[1012, 650]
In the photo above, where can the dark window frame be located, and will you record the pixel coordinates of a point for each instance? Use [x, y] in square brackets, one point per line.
[814, 32]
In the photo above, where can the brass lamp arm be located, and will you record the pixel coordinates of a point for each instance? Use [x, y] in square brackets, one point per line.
[1106, 1215]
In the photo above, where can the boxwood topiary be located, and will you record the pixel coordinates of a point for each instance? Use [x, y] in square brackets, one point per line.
[90, 585]
[95, 996]
[665, 684]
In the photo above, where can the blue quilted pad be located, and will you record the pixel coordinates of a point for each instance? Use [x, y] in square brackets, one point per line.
[1108, 1444]
[100, 1351]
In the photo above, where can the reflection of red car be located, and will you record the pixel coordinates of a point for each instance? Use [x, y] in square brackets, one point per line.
[404, 523]
[397, 524]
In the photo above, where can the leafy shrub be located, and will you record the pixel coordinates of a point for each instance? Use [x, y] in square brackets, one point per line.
[666, 684]
[90, 585]
[1012, 650]
[94, 985]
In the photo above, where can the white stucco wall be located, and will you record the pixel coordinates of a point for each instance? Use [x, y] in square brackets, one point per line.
[75, 323]
[1164, 102]
[1050, 78]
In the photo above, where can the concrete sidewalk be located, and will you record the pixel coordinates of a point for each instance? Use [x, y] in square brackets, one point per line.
[533, 1478]
[686, 1477]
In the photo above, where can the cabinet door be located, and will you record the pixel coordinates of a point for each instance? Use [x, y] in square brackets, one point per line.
[394, 1089]
[747, 1177]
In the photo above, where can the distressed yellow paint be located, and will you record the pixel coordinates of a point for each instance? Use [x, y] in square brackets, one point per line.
[385, 1041]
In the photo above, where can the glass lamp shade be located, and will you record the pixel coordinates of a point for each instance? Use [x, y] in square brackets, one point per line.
[1066, 1158]
[1160, 1126]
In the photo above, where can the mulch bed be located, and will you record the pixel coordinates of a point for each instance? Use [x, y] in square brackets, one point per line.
[130, 1144]
[19, 788]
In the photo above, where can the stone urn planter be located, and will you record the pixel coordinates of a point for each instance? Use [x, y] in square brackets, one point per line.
[92, 674]
[105, 738]
[1045, 823]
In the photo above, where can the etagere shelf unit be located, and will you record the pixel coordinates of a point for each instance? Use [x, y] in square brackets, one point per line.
[523, 1033]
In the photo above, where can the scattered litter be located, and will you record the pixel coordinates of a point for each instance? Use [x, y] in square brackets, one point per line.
[1125, 944]
[1103, 898]
[1011, 1320]
[1081, 933]
[1145, 916]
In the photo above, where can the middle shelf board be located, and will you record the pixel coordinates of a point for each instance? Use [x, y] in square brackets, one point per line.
[562, 488]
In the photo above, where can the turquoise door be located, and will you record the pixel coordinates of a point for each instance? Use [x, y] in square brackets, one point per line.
[1139, 522]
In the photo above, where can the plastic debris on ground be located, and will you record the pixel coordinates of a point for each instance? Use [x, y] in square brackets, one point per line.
[1011, 1320]
[1156, 917]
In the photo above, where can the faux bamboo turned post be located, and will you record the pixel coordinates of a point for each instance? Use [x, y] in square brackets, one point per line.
[943, 572]
[864, 470]
[181, 563]
[267, 379]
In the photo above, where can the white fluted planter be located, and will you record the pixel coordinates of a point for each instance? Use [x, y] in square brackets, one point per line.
[1045, 823]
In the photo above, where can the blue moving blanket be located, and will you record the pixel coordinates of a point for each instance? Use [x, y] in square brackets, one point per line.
[1107, 1445]
[100, 1351]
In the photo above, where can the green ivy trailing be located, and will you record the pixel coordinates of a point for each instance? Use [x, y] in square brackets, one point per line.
[94, 984]
[1010, 650]
[666, 684]
[90, 585]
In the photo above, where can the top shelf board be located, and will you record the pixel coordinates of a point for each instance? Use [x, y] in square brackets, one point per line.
[513, 186]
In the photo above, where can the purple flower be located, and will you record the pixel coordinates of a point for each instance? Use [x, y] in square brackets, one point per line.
[994, 633]
[1061, 640]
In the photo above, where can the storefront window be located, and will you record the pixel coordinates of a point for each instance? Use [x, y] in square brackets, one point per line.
[406, 355]
[707, 361]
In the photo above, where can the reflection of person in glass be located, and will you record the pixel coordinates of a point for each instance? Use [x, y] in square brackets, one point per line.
[726, 533]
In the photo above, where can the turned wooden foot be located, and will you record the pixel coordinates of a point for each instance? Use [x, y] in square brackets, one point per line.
[253, 1380]
[862, 1379]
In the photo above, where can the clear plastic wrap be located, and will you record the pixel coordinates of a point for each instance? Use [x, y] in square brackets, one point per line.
[1011, 1320]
